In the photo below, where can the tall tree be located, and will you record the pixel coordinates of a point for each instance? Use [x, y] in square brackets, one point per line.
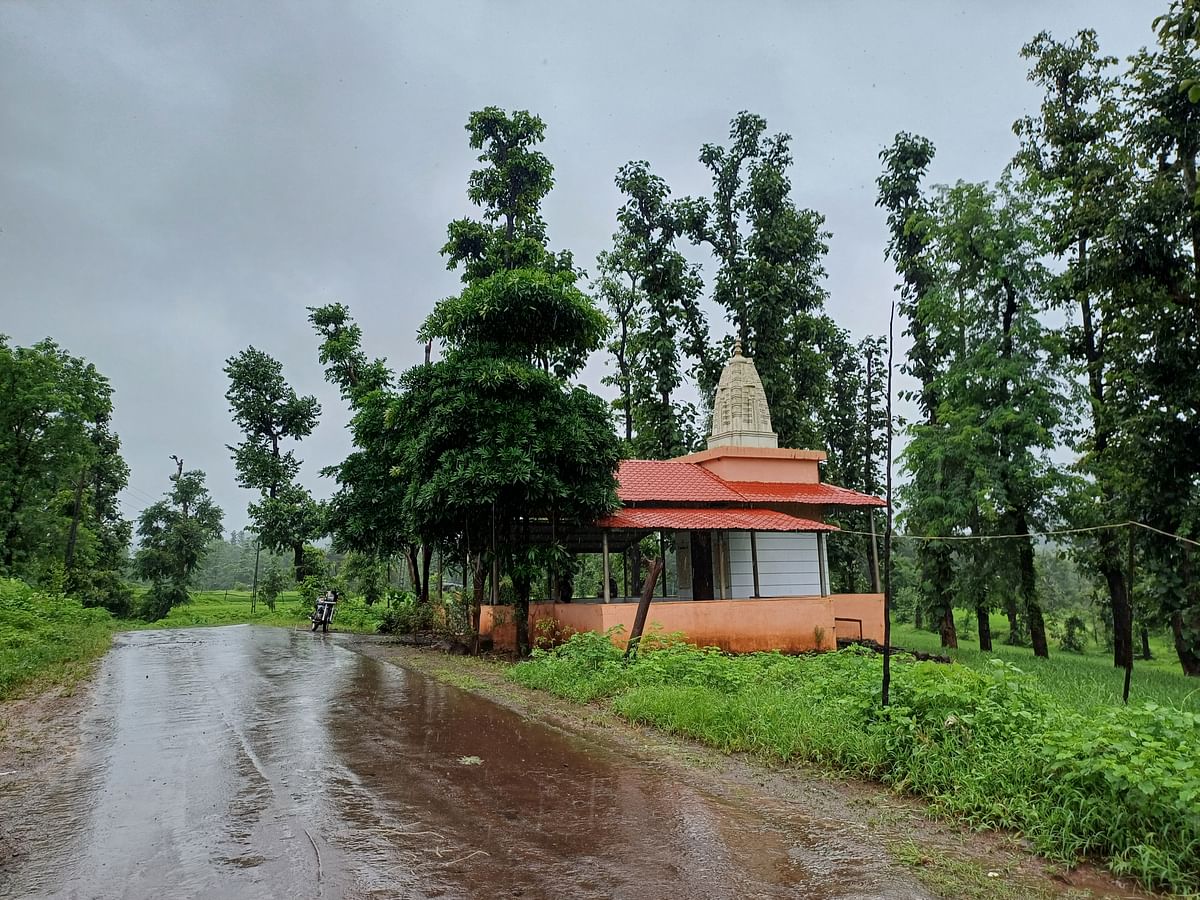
[60, 470]
[928, 513]
[1072, 159]
[1154, 383]
[270, 413]
[1000, 394]
[367, 514]
[175, 534]
[499, 446]
[854, 421]
[658, 303]
[770, 255]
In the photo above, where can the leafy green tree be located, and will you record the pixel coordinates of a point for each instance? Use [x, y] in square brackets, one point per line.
[273, 584]
[1154, 336]
[1001, 396]
[367, 575]
[367, 514]
[657, 305]
[770, 255]
[854, 419]
[270, 413]
[500, 449]
[174, 534]
[60, 472]
[928, 513]
[1073, 161]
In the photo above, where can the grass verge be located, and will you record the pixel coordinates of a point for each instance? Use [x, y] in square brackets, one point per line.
[47, 639]
[987, 747]
[1084, 681]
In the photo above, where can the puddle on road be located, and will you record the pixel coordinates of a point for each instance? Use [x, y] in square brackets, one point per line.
[271, 763]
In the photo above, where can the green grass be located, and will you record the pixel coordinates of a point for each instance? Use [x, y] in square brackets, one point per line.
[234, 608]
[985, 744]
[46, 639]
[1086, 681]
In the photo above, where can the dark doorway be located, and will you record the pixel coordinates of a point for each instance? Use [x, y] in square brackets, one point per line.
[702, 568]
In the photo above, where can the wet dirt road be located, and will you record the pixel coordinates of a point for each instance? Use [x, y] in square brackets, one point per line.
[254, 762]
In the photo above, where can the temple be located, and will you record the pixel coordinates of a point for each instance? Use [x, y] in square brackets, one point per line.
[746, 520]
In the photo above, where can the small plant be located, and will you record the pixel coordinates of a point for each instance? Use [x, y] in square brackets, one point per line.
[1074, 634]
[273, 584]
[407, 617]
[549, 633]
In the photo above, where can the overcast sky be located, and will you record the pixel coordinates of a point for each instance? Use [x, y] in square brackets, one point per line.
[179, 180]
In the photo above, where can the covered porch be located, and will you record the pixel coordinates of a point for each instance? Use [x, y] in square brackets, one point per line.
[744, 580]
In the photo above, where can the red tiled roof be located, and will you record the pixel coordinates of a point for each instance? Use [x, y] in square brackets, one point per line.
[827, 494]
[684, 518]
[668, 481]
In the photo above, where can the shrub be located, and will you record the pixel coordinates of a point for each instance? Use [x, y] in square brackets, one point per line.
[407, 617]
[1074, 635]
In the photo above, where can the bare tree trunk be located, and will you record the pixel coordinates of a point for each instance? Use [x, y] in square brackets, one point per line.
[1015, 635]
[1029, 599]
[984, 624]
[477, 581]
[74, 532]
[1189, 657]
[426, 558]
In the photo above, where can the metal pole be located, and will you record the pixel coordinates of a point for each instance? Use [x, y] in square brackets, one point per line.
[1129, 652]
[662, 552]
[887, 535]
[607, 592]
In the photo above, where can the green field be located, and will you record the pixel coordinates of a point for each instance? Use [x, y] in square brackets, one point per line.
[1083, 681]
[234, 608]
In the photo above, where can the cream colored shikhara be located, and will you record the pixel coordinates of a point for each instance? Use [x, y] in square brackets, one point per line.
[741, 417]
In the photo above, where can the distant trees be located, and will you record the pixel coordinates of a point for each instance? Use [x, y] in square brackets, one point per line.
[60, 473]
[174, 534]
[270, 413]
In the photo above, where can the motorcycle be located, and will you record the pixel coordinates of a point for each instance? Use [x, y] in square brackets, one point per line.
[323, 614]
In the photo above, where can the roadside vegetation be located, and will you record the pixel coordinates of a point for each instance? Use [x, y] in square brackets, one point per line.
[46, 638]
[987, 745]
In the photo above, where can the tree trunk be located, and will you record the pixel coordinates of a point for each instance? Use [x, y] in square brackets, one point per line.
[1028, 581]
[426, 559]
[985, 626]
[298, 567]
[1016, 635]
[1122, 611]
[938, 573]
[1185, 627]
[414, 568]
[521, 616]
[74, 532]
[478, 576]
[947, 628]
[918, 616]
[1146, 644]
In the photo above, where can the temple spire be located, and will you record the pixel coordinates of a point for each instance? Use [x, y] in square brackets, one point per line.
[741, 417]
